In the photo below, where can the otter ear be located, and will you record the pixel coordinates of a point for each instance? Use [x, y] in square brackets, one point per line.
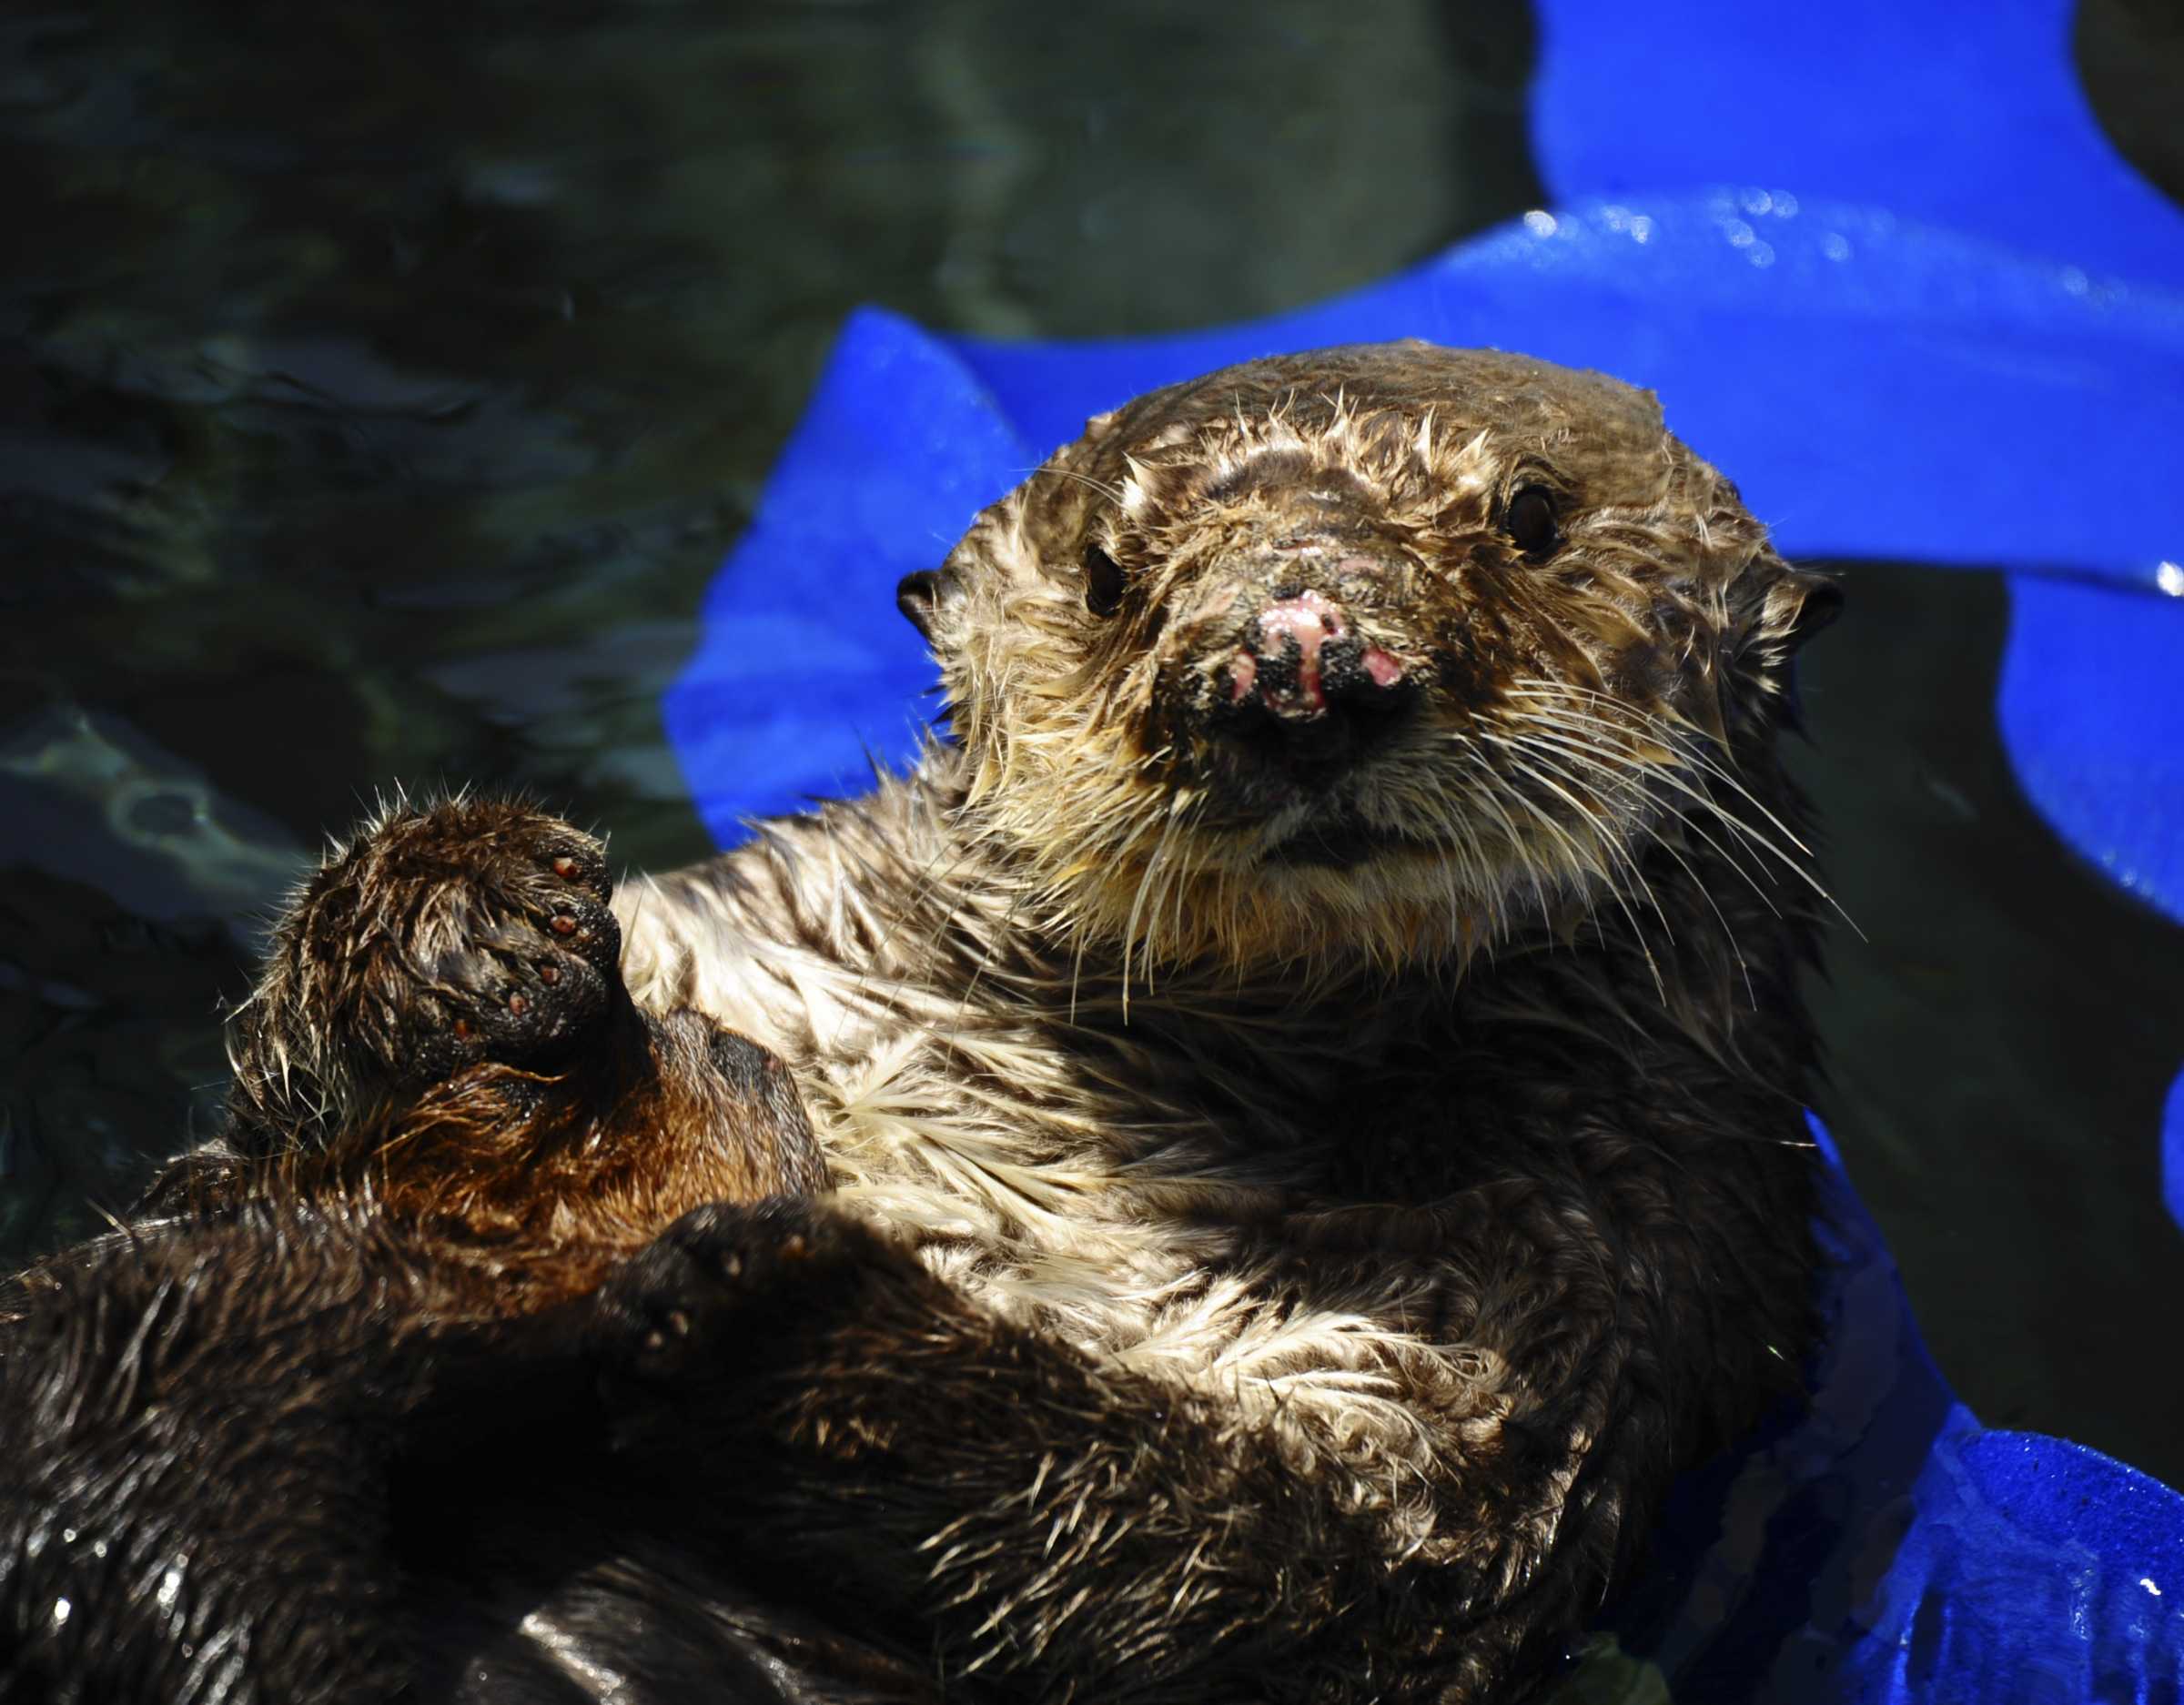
[929, 598]
[1793, 605]
[1798, 604]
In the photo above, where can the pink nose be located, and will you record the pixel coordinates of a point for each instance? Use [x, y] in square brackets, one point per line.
[1295, 632]
[1306, 622]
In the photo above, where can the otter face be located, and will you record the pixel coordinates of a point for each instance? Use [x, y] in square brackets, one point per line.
[1374, 649]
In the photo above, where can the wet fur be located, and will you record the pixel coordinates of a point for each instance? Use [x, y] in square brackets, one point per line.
[1243, 1276]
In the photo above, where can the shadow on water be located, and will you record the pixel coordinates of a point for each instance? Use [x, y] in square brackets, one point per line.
[380, 387]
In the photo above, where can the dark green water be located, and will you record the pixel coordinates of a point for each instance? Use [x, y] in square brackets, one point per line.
[380, 387]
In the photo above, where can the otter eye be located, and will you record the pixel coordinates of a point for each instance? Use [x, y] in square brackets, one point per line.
[1103, 582]
[1530, 520]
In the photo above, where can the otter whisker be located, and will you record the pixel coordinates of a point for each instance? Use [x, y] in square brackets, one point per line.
[1112, 492]
[1478, 879]
[1129, 938]
[1611, 783]
[1597, 864]
[1680, 741]
[1472, 875]
[1698, 883]
[1616, 848]
[1687, 735]
[1190, 807]
[1609, 845]
[1519, 844]
[1669, 777]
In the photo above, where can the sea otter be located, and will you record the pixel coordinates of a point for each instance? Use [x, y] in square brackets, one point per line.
[1296, 1136]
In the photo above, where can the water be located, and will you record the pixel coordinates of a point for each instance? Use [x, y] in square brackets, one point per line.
[378, 390]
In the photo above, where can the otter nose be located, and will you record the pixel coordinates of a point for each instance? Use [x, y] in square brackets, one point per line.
[1303, 687]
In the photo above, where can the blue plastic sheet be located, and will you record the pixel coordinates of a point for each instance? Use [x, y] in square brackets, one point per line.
[1881, 266]
[1882, 1546]
[2092, 711]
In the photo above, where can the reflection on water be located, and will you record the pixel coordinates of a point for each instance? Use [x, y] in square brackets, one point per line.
[93, 802]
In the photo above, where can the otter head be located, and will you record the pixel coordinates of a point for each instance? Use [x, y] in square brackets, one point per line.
[1371, 650]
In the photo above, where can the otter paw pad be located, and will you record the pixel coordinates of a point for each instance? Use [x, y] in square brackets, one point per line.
[499, 944]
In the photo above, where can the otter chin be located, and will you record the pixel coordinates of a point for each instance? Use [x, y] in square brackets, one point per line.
[1242, 1178]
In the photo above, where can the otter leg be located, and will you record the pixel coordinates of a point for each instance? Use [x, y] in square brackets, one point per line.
[1068, 1526]
[473, 930]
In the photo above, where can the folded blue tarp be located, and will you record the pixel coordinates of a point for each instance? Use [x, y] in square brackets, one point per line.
[1881, 266]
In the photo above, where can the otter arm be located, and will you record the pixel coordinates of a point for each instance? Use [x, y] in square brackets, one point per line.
[1057, 1523]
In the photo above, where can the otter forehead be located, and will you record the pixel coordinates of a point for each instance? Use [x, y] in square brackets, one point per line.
[1404, 436]
[1469, 389]
[1384, 409]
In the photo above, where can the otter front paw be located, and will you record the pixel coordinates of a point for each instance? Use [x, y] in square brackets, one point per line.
[476, 930]
[727, 1275]
[510, 952]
